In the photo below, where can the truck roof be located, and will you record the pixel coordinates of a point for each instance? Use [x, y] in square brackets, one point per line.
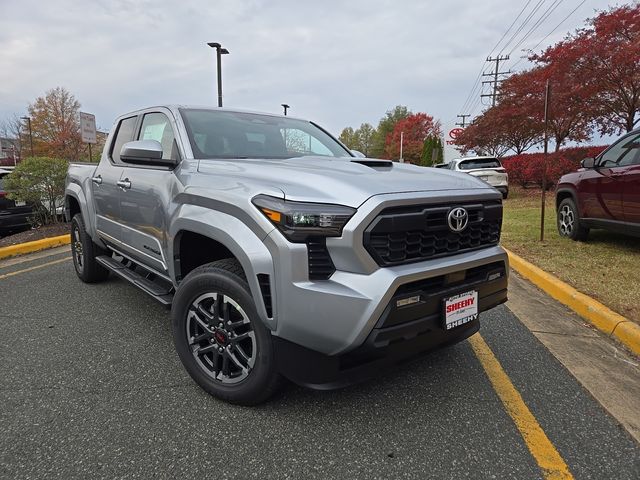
[175, 107]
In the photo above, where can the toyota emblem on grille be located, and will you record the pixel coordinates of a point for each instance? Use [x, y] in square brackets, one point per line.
[458, 219]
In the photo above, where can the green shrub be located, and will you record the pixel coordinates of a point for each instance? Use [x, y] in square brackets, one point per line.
[39, 181]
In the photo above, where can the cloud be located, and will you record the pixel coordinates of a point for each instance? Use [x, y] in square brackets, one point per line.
[339, 63]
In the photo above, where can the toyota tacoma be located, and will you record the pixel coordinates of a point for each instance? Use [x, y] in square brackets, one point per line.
[280, 252]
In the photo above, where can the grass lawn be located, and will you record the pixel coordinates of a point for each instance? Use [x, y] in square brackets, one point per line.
[605, 267]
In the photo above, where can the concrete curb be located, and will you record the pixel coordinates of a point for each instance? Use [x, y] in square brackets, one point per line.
[36, 245]
[603, 318]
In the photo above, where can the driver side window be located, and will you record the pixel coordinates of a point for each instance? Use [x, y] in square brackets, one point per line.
[621, 154]
[156, 126]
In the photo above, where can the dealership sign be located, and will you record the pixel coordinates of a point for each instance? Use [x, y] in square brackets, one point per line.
[453, 134]
[88, 127]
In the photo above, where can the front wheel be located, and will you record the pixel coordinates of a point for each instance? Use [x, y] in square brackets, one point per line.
[569, 224]
[219, 337]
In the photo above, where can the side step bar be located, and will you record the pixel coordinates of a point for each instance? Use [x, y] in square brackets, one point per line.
[161, 290]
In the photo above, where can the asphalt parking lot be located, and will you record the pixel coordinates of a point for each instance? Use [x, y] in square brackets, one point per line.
[90, 386]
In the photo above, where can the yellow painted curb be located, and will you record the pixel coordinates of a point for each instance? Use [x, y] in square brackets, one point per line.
[602, 317]
[36, 245]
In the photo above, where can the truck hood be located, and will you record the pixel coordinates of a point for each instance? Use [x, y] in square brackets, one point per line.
[346, 181]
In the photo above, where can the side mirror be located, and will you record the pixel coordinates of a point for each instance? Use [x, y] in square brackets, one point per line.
[358, 154]
[588, 162]
[145, 152]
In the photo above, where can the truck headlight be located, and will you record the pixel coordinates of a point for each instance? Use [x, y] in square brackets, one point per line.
[299, 221]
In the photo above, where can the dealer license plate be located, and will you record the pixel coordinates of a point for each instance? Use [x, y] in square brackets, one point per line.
[460, 309]
[20, 203]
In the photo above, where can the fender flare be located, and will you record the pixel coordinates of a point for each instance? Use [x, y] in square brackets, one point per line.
[242, 242]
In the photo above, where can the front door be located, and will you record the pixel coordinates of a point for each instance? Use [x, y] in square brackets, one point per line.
[601, 187]
[631, 181]
[145, 203]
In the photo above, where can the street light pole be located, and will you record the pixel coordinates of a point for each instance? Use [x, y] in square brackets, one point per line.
[285, 107]
[219, 52]
[28, 119]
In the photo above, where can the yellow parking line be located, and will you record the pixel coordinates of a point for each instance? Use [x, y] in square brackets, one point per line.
[10, 274]
[543, 451]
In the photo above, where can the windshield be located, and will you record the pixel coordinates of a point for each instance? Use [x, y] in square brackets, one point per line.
[479, 163]
[222, 134]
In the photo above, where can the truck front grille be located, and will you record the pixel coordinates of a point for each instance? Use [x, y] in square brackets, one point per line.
[402, 235]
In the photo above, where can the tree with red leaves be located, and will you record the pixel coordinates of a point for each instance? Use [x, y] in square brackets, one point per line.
[570, 110]
[56, 126]
[414, 129]
[608, 60]
[483, 136]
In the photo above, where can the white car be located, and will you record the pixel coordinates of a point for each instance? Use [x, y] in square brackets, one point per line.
[488, 169]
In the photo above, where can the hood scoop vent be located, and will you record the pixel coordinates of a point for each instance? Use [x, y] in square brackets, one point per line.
[375, 164]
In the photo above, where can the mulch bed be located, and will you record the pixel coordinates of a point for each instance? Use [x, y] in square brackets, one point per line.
[35, 234]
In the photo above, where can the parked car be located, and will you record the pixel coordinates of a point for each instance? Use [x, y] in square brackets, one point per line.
[604, 193]
[14, 216]
[281, 253]
[488, 169]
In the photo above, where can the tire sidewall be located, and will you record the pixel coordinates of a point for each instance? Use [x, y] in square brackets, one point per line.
[77, 223]
[210, 280]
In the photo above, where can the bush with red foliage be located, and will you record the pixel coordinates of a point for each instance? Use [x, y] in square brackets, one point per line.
[526, 169]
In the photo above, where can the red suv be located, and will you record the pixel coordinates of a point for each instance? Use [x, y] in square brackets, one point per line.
[604, 193]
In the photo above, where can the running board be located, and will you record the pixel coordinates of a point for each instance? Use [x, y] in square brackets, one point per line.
[159, 289]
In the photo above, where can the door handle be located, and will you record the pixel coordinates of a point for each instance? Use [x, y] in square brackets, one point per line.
[124, 184]
[97, 180]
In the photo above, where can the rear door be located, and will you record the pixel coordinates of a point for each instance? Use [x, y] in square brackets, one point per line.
[104, 184]
[144, 205]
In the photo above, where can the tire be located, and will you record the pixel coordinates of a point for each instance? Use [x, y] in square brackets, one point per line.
[568, 221]
[84, 252]
[505, 194]
[231, 357]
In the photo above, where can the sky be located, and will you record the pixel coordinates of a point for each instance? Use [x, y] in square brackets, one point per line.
[336, 63]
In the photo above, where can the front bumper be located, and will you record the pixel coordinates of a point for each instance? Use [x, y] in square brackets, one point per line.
[402, 332]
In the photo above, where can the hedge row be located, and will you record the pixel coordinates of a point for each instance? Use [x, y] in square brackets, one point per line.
[526, 169]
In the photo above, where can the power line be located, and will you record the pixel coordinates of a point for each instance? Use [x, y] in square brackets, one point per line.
[476, 82]
[549, 34]
[510, 27]
[540, 21]
[524, 23]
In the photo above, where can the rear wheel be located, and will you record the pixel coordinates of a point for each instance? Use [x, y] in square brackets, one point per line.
[569, 224]
[84, 252]
[219, 336]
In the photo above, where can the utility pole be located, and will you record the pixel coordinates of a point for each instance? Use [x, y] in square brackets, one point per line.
[285, 107]
[464, 120]
[28, 119]
[401, 142]
[547, 92]
[494, 74]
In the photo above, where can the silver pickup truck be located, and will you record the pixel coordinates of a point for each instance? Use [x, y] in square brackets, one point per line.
[281, 253]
